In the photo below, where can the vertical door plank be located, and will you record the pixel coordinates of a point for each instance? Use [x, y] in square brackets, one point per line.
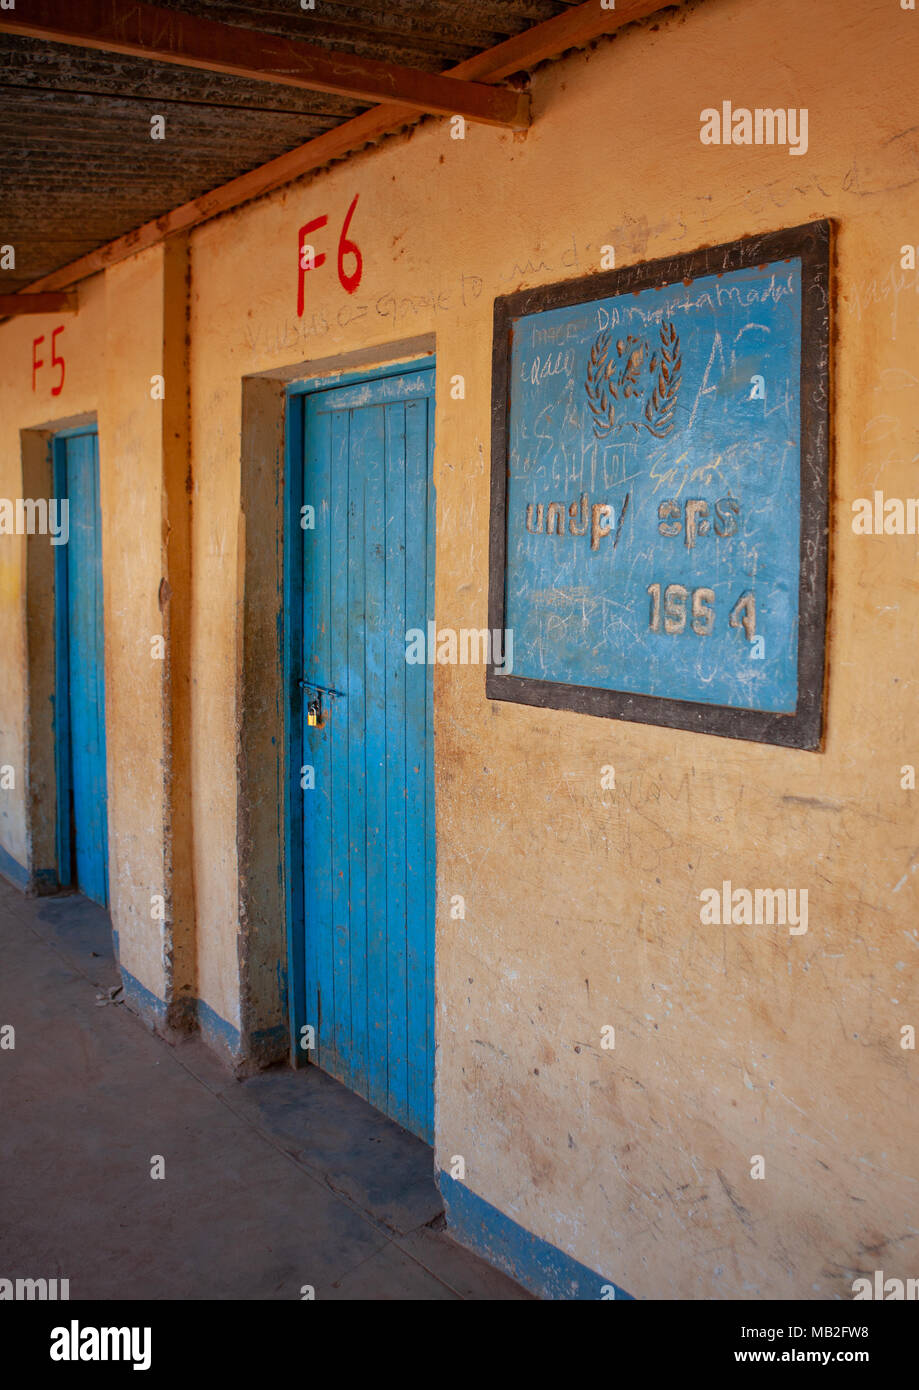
[317, 804]
[416, 679]
[360, 456]
[396, 794]
[426, 1099]
[371, 458]
[338, 734]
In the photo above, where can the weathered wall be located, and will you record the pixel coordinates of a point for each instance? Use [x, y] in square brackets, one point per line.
[82, 345]
[112, 348]
[131, 478]
[582, 905]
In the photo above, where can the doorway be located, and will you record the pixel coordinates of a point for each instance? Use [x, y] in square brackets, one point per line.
[82, 819]
[362, 834]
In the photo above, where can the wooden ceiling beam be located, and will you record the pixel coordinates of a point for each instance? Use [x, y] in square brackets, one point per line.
[27, 303]
[572, 28]
[169, 36]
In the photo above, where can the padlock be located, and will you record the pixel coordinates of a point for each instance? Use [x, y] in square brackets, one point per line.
[313, 711]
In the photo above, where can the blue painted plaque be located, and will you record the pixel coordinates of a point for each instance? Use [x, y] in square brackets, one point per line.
[653, 488]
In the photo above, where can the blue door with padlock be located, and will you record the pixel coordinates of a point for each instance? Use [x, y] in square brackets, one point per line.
[368, 818]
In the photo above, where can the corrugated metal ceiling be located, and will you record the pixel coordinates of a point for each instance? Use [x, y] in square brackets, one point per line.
[77, 164]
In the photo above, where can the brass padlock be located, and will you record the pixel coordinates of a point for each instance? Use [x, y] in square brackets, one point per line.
[316, 716]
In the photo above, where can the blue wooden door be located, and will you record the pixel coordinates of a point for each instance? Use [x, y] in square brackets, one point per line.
[368, 824]
[82, 816]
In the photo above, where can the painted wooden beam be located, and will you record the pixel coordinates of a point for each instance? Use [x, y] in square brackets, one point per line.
[169, 36]
[27, 303]
[570, 29]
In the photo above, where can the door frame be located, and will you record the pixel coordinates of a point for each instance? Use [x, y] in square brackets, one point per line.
[62, 734]
[293, 666]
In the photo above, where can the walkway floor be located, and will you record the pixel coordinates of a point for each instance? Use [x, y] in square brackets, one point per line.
[283, 1180]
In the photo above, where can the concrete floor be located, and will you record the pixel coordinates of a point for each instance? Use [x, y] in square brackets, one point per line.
[283, 1180]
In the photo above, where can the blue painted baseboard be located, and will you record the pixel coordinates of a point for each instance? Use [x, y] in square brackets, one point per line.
[533, 1262]
[11, 869]
[40, 882]
[142, 1000]
[266, 1044]
[215, 1030]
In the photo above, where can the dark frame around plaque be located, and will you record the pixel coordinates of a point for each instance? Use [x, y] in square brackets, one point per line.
[802, 729]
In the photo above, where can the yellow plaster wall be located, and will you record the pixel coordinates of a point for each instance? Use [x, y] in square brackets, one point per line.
[111, 348]
[582, 906]
[131, 468]
[82, 345]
